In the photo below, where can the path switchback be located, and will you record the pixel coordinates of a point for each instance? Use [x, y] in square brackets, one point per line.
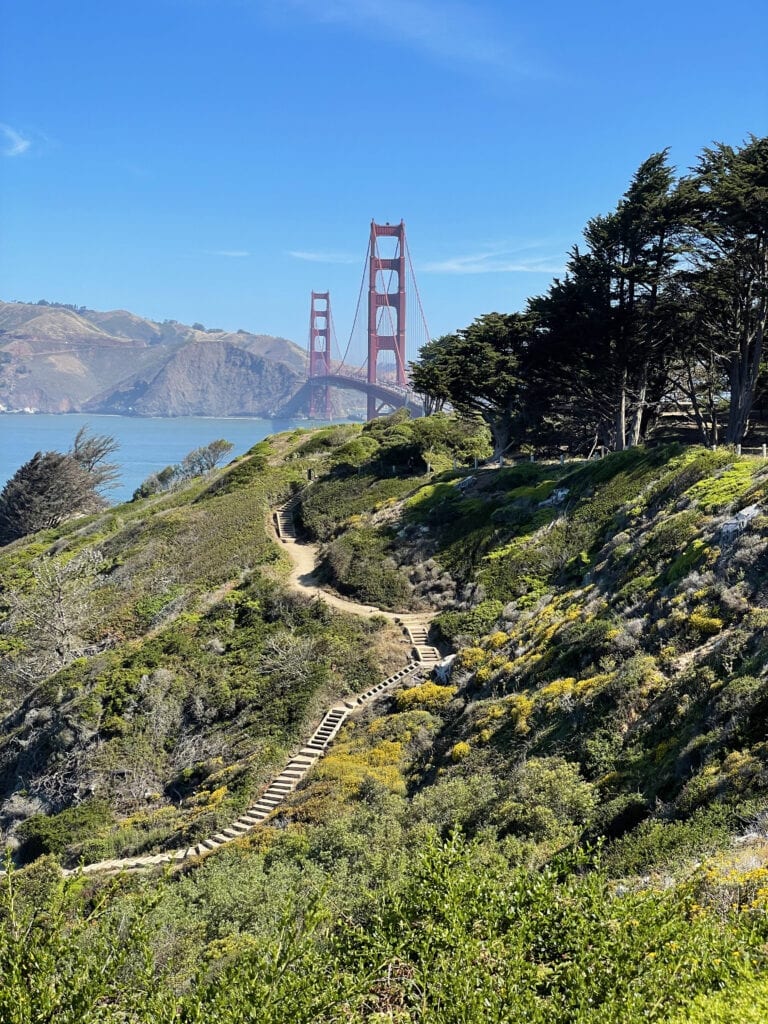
[303, 580]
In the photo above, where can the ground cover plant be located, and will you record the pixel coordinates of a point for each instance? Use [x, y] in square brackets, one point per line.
[156, 672]
[569, 826]
[456, 934]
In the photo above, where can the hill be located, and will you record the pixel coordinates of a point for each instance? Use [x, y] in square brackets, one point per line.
[566, 824]
[56, 358]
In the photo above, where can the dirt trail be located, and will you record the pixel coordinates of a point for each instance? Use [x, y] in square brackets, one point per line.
[303, 578]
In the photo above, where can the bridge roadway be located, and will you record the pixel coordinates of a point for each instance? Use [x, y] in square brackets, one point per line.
[390, 394]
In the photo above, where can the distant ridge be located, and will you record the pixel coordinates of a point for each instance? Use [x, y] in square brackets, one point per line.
[58, 358]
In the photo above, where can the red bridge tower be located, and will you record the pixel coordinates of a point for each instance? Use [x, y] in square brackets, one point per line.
[320, 353]
[386, 307]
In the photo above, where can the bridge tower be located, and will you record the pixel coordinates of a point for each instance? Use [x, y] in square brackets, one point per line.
[386, 307]
[320, 354]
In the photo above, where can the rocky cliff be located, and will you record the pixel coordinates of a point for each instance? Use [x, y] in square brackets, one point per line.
[212, 379]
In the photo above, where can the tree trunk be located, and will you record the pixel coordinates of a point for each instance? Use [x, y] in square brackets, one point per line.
[637, 415]
[697, 413]
[500, 435]
[745, 364]
[745, 370]
[621, 415]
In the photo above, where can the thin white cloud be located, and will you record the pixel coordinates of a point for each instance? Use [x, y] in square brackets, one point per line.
[228, 253]
[12, 143]
[324, 257]
[450, 30]
[494, 262]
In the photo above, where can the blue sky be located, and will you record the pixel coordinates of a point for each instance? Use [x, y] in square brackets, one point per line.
[215, 160]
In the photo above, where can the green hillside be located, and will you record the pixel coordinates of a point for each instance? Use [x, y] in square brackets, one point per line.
[569, 824]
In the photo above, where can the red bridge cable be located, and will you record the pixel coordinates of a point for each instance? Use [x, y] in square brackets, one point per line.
[416, 289]
[357, 309]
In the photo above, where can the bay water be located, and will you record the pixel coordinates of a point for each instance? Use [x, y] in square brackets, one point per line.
[147, 444]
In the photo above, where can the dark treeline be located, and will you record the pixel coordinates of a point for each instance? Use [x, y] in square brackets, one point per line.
[664, 307]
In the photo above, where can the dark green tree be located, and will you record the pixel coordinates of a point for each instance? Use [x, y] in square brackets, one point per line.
[204, 459]
[690, 310]
[53, 486]
[476, 370]
[91, 452]
[602, 335]
[428, 375]
[43, 493]
[728, 195]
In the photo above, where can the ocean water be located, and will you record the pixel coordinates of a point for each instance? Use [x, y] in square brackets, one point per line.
[146, 444]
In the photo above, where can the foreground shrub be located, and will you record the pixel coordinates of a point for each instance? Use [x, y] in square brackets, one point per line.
[462, 936]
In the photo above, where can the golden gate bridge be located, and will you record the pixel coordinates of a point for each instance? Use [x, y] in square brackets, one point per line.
[381, 344]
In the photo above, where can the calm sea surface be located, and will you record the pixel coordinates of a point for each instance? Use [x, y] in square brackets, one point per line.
[146, 445]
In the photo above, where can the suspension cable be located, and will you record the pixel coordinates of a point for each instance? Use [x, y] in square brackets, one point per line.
[416, 289]
[357, 308]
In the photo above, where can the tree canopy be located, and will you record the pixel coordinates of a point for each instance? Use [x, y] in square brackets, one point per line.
[663, 306]
[52, 486]
[476, 370]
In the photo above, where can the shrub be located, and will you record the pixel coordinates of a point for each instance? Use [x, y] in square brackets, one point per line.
[429, 696]
[655, 844]
[356, 452]
[547, 797]
[472, 624]
[329, 438]
[703, 624]
[717, 492]
[459, 751]
[686, 561]
[357, 564]
[42, 833]
[743, 1003]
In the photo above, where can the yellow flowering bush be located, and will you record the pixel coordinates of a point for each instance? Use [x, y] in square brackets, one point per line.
[430, 696]
[496, 640]
[459, 751]
[471, 657]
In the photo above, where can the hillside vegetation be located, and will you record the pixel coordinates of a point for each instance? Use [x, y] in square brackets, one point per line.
[569, 825]
[156, 671]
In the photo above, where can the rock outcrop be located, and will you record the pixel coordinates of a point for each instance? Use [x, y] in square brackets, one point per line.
[211, 379]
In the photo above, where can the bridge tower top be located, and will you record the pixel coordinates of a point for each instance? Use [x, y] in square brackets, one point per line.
[386, 305]
[320, 353]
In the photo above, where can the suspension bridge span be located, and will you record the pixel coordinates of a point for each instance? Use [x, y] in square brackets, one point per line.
[386, 335]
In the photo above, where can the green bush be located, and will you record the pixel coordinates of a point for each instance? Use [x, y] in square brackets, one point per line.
[745, 1002]
[357, 564]
[473, 624]
[428, 696]
[546, 797]
[328, 438]
[52, 834]
[656, 844]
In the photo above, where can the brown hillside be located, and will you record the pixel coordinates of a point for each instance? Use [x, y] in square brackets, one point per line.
[54, 358]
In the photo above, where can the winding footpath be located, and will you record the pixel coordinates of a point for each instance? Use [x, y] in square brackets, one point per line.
[302, 580]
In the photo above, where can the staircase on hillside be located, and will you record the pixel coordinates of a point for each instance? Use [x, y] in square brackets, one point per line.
[284, 521]
[418, 633]
[315, 747]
